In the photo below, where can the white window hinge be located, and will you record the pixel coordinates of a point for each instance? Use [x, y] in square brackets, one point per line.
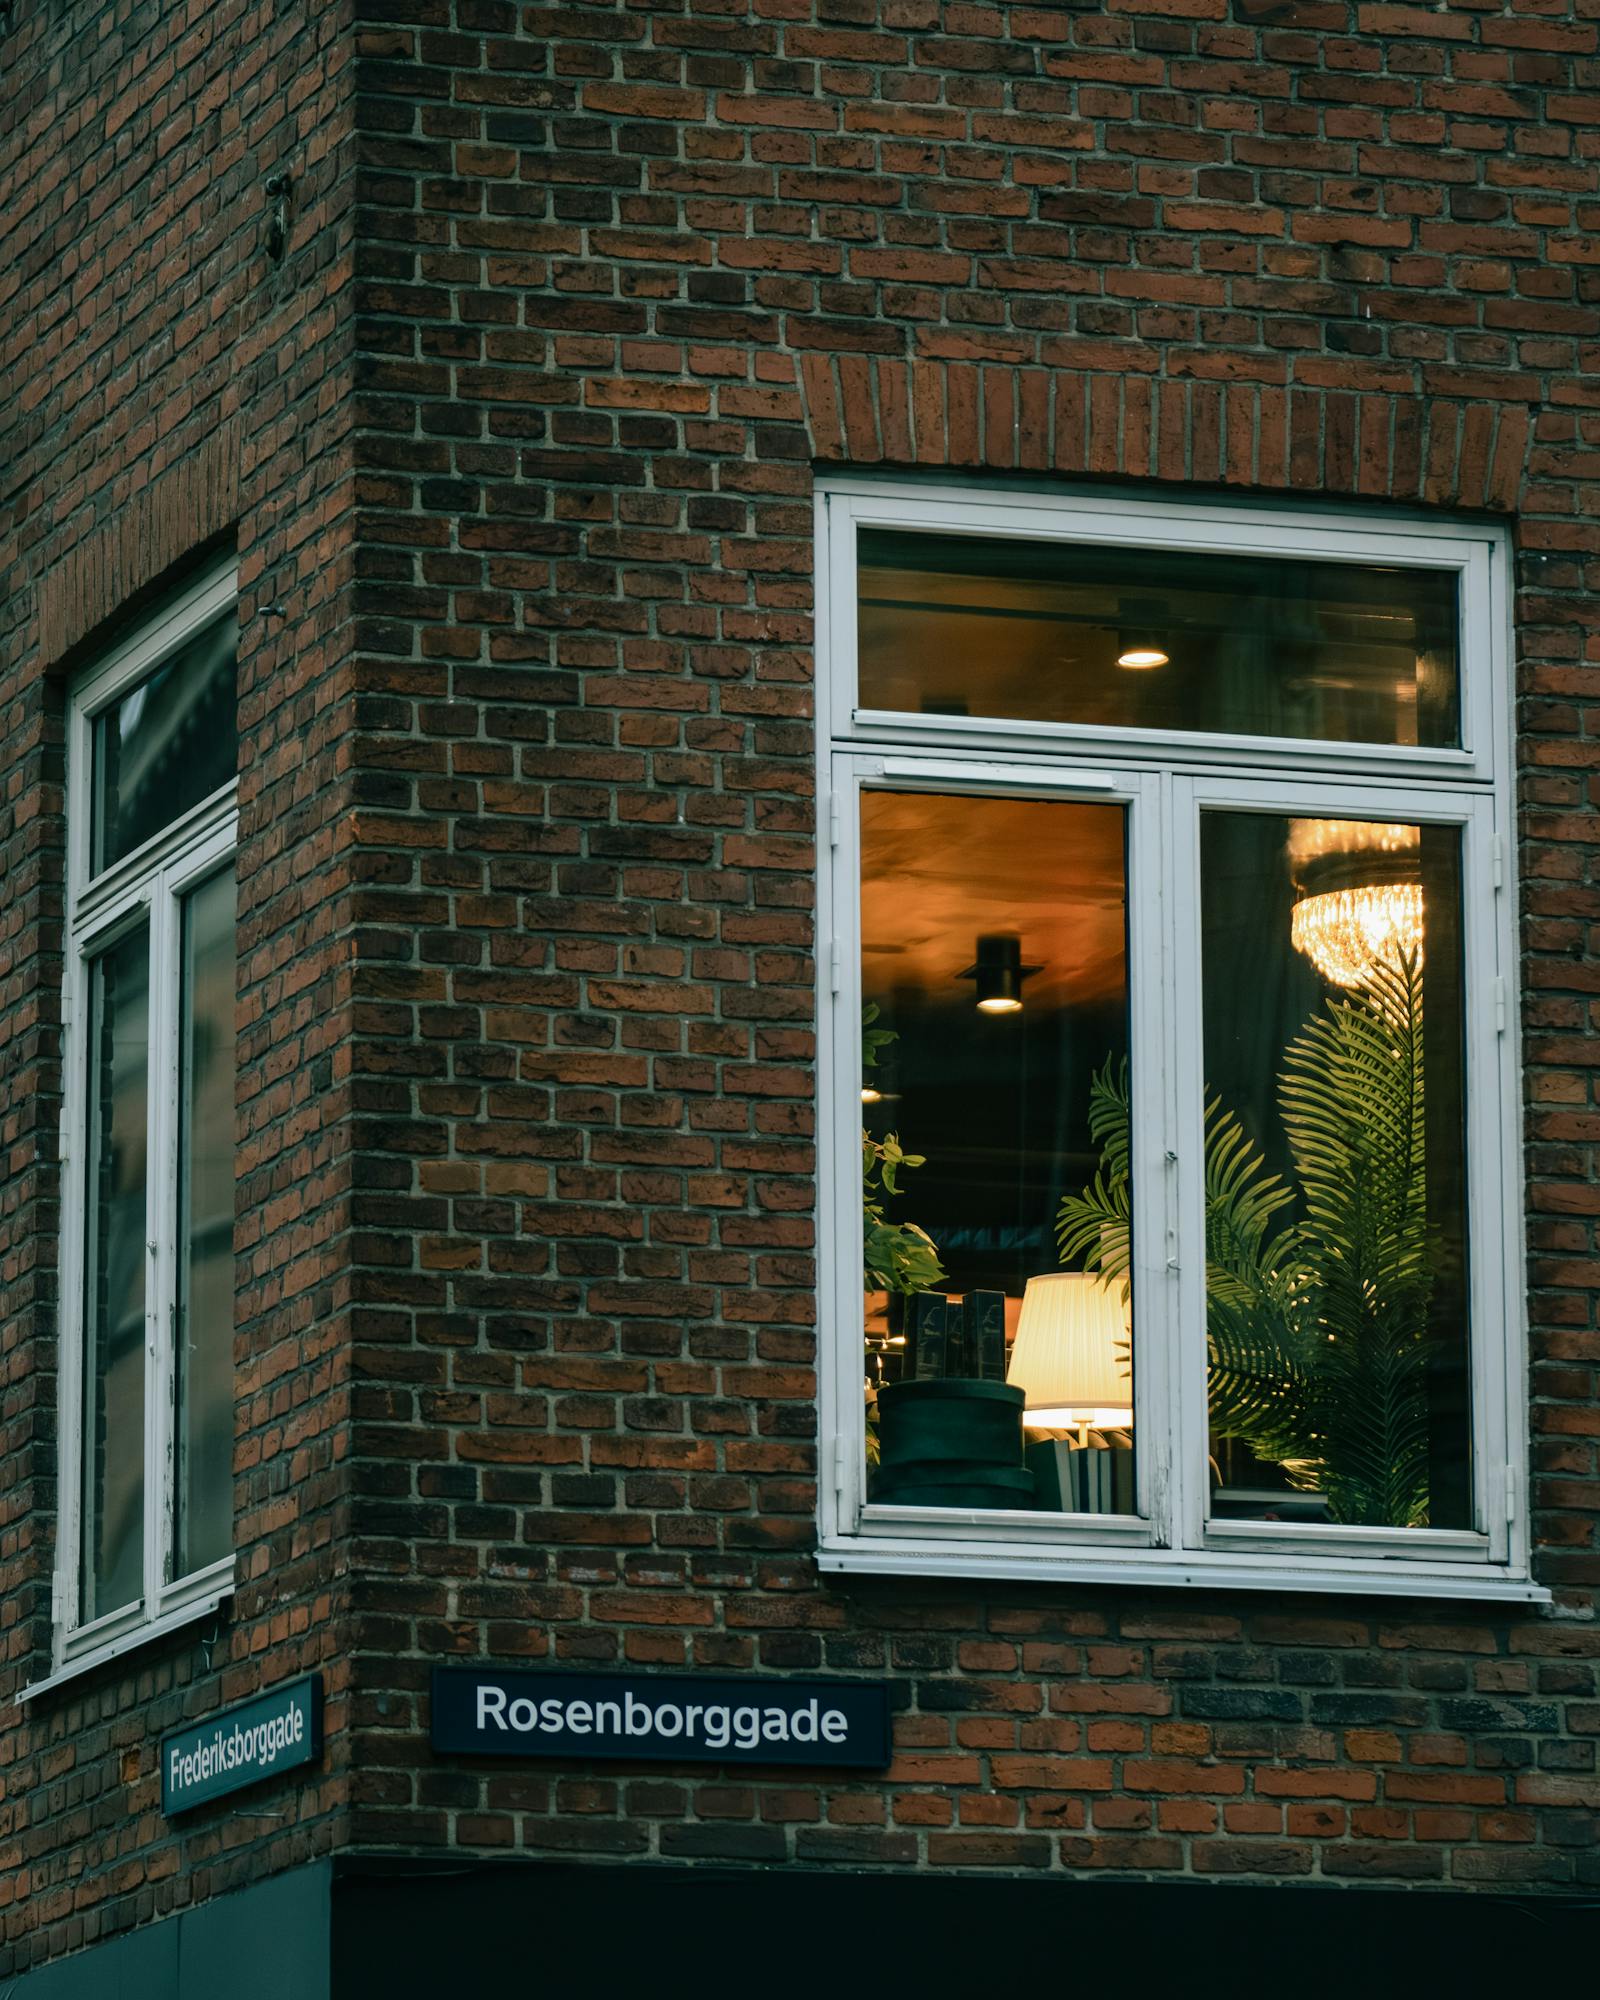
[833, 819]
[1511, 1496]
[1497, 860]
[838, 1467]
[59, 1581]
[1500, 1006]
[835, 965]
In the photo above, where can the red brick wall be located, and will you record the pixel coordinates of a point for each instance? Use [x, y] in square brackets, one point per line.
[169, 387]
[526, 923]
[625, 274]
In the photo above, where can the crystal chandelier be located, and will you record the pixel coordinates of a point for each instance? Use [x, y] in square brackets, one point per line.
[1360, 902]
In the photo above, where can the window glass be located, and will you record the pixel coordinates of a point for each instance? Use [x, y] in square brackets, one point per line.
[113, 1483]
[166, 744]
[994, 971]
[1157, 639]
[1336, 1287]
[203, 1365]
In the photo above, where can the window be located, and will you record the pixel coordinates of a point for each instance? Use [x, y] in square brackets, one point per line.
[1171, 1209]
[147, 1239]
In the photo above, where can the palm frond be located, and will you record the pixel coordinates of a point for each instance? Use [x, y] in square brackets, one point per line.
[1094, 1228]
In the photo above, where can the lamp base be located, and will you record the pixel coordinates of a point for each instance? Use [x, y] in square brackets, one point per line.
[1069, 1478]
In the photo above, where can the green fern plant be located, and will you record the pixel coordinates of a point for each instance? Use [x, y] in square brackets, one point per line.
[1317, 1295]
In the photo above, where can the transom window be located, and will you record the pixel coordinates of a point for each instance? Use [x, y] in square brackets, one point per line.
[147, 1291]
[1171, 1221]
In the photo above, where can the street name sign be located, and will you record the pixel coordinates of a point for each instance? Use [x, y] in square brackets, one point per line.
[241, 1746]
[670, 1718]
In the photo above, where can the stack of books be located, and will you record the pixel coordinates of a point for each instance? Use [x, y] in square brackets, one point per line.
[1096, 1478]
[956, 1339]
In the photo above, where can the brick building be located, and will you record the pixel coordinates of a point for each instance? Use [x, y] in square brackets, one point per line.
[479, 466]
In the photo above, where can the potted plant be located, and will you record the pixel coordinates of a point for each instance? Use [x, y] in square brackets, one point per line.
[1317, 1294]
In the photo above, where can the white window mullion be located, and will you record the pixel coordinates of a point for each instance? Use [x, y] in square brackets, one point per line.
[1186, 1112]
[1503, 1197]
[841, 1430]
[67, 1588]
[1496, 1287]
[841, 629]
[67, 1581]
[1155, 1319]
[165, 1015]
[841, 1443]
[1485, 650]
[80, 810]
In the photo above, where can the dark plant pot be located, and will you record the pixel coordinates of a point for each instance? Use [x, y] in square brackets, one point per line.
[958, 1485]
[952, 1443]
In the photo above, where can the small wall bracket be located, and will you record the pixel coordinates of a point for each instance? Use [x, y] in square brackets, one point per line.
[277, 187]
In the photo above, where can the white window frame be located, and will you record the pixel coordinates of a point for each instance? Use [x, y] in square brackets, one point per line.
[146, 885]
[1165, 778]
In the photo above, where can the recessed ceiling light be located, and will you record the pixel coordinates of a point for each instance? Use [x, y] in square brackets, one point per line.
[1140, 657]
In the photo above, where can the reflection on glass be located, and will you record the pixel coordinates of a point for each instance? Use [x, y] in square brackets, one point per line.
[204, 1371]
[1157, 639]
[1336, 1255]
[166, 744]
[113, 1478]
[995, 989]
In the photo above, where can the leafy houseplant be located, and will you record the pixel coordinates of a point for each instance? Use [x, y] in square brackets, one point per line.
[899, 1257]
[1317, 1296]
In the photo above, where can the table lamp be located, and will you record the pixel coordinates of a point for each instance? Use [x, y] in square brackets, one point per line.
[1071, 1356]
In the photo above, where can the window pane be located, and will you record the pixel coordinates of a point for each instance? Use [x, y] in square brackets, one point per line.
[1156, 639]
[995, 1042]
[1336, 1249]
[203, 1375]
[167, 743]
[113, 1484]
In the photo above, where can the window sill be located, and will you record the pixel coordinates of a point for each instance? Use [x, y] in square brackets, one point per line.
[141, 1635]
[1312, 1575]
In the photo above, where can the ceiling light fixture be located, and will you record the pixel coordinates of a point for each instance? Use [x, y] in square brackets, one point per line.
[1360, 902]
[1347, 933]
[998, 973]
[1139, 645]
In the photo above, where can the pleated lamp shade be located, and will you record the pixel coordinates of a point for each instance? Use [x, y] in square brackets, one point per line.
[1070, 1356]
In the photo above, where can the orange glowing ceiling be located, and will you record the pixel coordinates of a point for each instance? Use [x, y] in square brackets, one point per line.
[939, 870]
